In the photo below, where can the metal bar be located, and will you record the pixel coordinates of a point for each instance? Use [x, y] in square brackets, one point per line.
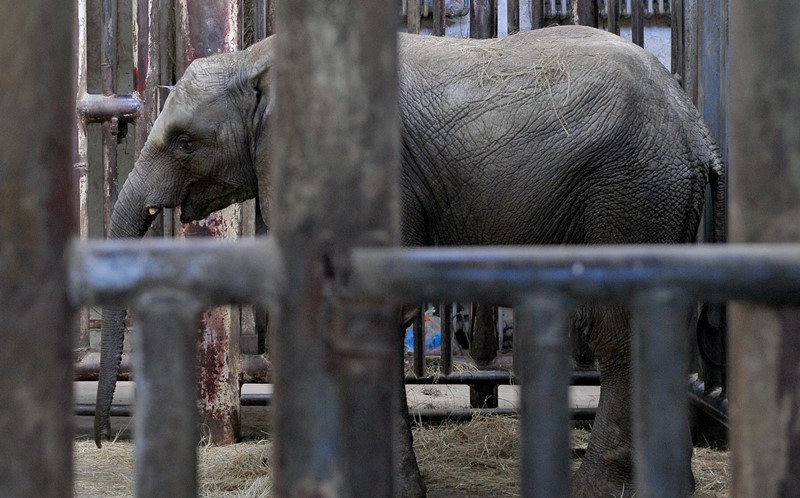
[637, 22]
[108, 57]
[99, 108]
[165, 426]
[715, 272]
[662, 440]
[480, 18]
[95, 276]
[612, 7]
[426, 414]
[544, 375]
[537, 14]
[512, 16]
[412, 16]
[36, 220]
[368, 399]
[330, 142]
[678, 47]
[439, 21]
[88, 367]
[419, 342]
[260, 20]
[82, 161]
[764, 148]
[204, 28]
[446, 348]
[587, 12]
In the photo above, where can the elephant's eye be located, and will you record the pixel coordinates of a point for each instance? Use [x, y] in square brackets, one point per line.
[185, 144]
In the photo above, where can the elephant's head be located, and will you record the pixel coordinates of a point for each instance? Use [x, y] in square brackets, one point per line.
[202, 154]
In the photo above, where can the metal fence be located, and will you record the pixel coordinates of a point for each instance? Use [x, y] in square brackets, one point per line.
[315, 449]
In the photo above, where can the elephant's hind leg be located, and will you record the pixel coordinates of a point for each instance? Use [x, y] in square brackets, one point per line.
[607, 466]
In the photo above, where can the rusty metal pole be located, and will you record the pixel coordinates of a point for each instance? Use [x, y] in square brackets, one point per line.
[204, 28]
[765, 194]
[337, 356]
[36, 220]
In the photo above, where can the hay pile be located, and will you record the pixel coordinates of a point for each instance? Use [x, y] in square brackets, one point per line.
[475, 458]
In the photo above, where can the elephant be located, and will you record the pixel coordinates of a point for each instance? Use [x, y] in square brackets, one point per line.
[564, 135]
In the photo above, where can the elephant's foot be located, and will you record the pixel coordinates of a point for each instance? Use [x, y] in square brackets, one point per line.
[610, 476]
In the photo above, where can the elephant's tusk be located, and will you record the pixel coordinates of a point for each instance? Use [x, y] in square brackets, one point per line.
[153, 211]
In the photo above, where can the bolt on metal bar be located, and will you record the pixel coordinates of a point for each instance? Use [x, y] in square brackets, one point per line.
[544, 375]
[662, 440]
[165, 426]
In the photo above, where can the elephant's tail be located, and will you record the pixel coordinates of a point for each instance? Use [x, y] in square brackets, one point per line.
[719, 187]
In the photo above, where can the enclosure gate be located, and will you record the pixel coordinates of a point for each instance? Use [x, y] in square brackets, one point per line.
[331, 261]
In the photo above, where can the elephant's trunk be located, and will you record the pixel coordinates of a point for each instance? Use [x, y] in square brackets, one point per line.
[129, 219]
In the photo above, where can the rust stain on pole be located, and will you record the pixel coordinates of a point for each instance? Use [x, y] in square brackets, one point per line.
[37, 217]
[765, 188]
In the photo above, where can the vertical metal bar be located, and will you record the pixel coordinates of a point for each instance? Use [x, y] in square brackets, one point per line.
[612, 8]
[637, 22]
[537, 14]
[480, 18]
[677, 40]
[439, 21]
[412, 16]
[512, 13]
[165, 426]
[82, 161]
[541, 345]
[446, 348]
[108, 57]
[587, 12]
[690, 49]
[662, 441]
[419, 342]
[346, 143]
[764, 150]
[367, 395]
[204, 28]
[260, 20]
[37, 218]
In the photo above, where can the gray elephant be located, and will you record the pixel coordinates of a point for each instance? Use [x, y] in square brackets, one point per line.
[566, 135]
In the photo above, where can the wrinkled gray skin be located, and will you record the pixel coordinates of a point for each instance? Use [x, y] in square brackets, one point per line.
[565, 135]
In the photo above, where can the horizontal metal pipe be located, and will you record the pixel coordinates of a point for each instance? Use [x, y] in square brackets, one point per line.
[214, 272]
[427, 415]
[87, 368]
[496, 377]
[765, 272]
[93, 108]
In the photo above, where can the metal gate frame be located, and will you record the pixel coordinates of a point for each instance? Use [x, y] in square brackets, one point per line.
[332, 271]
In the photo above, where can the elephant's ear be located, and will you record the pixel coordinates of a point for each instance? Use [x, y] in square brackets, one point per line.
[258, 62]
